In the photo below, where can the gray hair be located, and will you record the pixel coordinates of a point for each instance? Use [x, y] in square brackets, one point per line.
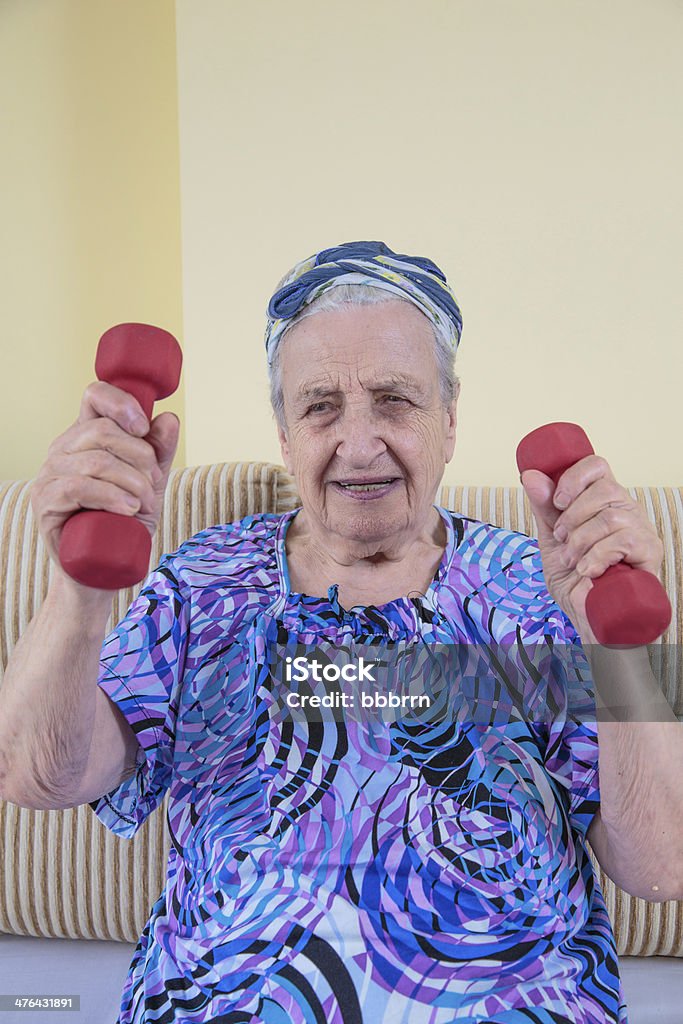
[344, 295]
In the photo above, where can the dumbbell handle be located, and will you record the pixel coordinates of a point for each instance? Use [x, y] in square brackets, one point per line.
[103, 549]
[625, 607]
[142, 390]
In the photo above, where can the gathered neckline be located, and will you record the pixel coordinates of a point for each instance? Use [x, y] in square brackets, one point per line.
[411, 606]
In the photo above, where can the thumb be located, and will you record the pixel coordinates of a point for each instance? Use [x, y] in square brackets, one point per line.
[539, 490]
[163, 436]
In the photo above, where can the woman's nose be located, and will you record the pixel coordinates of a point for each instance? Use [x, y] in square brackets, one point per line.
[360, 440]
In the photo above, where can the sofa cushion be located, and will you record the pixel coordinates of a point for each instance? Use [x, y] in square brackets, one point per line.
[66, 875]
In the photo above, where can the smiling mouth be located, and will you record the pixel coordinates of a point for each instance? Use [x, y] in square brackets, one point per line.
[365, 486]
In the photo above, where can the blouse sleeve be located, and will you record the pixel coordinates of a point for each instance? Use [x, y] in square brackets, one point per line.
[572, 752]
[141, 671]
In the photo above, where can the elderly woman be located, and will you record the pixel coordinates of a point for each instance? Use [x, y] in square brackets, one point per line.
[426, 867]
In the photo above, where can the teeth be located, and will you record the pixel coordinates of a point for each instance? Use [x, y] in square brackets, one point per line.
[366, 487]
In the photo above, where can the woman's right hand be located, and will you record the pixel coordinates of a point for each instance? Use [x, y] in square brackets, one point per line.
[111, 458]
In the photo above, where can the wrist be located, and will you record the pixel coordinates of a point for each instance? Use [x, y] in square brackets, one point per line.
[89, 605]
[626, 689]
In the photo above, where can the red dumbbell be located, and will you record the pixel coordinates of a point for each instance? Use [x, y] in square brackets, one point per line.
[104, 549]
[626, 607]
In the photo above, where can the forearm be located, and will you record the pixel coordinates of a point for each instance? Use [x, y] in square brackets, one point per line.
[641, 770]
[47, 699]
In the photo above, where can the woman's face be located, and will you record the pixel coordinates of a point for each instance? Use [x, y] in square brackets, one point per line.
[366, 434]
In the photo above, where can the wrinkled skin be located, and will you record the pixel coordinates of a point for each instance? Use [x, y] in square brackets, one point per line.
[376, 413]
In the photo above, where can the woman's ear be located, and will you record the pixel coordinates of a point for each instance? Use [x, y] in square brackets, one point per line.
[284, 448]
[451, 413]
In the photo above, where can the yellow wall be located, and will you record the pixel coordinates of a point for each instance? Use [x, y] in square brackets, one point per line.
[89, 196]
[533, 149]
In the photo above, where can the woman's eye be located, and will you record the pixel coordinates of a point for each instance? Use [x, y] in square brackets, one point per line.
[319, 407]
[394, 399]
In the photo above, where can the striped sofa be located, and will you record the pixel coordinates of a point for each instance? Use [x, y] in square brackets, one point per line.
[64, 875]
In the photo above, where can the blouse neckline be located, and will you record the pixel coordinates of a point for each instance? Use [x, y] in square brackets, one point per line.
[376, 614]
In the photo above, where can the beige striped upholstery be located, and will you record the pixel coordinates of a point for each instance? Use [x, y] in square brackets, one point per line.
[64, 875]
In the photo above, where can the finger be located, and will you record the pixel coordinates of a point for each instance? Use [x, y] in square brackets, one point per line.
[103, 434]
[578, 477]
[600, 526]
[163, 438]
[103, 399]
[639, 549]
[60, 497]
[539, 490]
[103, 466]
[599, 496]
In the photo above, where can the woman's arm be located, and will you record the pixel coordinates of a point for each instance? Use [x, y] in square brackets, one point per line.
[62, 742]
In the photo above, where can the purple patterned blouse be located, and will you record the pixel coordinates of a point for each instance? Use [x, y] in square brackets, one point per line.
[422, 870]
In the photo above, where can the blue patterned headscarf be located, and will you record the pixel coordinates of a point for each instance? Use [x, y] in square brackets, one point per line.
[410, 277]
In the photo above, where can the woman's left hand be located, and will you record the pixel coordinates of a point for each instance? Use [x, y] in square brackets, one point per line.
[585, 524]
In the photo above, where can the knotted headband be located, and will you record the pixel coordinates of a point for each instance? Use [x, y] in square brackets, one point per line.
[413, 277]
